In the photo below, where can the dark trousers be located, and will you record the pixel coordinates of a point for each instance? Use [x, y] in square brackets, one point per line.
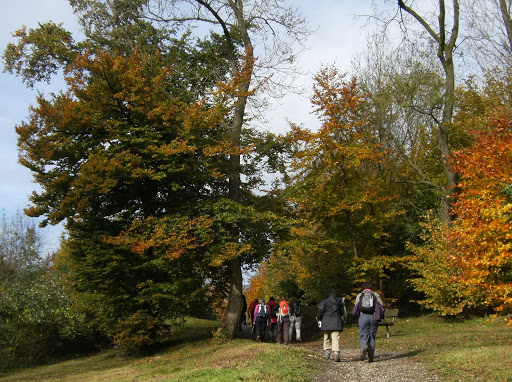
[260, 326]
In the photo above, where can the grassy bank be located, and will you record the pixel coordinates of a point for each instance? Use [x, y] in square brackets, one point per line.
[192, 356]
[470, 350]
[456, 350]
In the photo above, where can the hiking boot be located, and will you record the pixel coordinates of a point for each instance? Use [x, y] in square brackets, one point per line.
[258, 339]
[363, 354]
[337, 356]
[327, 354]
[371, 353]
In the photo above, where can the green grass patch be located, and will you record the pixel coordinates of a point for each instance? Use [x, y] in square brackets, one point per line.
[192, 355]
[456, 350]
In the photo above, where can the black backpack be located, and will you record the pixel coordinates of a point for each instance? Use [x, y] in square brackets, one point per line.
[273, 310]
[367, 302]
[295, 309]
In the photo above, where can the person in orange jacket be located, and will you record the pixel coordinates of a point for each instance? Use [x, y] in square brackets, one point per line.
[283, 321]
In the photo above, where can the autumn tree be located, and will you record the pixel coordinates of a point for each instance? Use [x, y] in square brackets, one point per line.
[136, 155]
[266, 32]
[132, 156]
[340, 191]
[472, 273]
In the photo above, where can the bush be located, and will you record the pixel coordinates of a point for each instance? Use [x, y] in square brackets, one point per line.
[38, 321]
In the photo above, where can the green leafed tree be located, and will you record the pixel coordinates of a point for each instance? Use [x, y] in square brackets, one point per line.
[134, 155]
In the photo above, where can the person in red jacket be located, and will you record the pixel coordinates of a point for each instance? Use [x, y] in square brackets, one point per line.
[251, 309]
[273, 308]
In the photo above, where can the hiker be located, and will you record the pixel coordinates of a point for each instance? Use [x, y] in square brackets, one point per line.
[370, 309]
[331, 315]
[261, 316]
[242, 315]
[295, 319]
[283, 321]
[251, 310]
[273, 308]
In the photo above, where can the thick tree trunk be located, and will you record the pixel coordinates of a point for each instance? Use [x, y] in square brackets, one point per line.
[244, 71]
[234, 308]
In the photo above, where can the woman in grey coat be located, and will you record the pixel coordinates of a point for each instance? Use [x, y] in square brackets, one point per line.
[331, 315]
[369, 307]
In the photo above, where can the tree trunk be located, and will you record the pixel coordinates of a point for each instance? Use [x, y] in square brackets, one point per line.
[445, 54]
[244, 71]
[234, 309]
[443, 136]
[505, 14]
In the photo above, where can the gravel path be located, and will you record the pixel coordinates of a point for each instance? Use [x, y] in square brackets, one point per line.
[386, 367]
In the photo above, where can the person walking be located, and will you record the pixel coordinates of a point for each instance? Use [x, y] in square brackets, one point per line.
[370, 309]
[332, 313]
[261, 315]
[283, 321]
[273, 308]
[295, 319]
[242, 320]
[251, 310]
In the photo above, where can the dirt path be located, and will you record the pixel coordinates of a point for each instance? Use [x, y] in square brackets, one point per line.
[387, 366]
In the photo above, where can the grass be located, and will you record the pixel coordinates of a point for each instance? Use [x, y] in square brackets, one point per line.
[456, 350]
[192, 356]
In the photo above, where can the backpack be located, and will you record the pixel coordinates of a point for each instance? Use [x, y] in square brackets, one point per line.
[284, 308]
[273, 310]
[367, 302]
[262, 311]
[295, 309]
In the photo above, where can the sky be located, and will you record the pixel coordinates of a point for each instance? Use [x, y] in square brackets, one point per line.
[337, 39]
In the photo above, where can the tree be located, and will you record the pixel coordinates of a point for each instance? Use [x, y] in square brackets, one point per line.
[466, 268]
[490, 27]
[277, 27]
[445, 42]
[404, 92]
[37, 316]
[133, 156]
[482, 230]
[20, 246]
[340, 193]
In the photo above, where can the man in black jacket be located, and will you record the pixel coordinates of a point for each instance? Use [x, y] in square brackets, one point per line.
[332, 313]
[295, 318]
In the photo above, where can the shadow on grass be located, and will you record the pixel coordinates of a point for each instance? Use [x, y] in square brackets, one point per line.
[389, 356]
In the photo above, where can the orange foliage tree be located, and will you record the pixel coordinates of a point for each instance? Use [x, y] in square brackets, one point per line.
[467, 267]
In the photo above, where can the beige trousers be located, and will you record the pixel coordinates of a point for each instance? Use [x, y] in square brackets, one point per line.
[332, 341]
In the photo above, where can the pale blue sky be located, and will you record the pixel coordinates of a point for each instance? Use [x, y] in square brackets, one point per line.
[337, 40]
